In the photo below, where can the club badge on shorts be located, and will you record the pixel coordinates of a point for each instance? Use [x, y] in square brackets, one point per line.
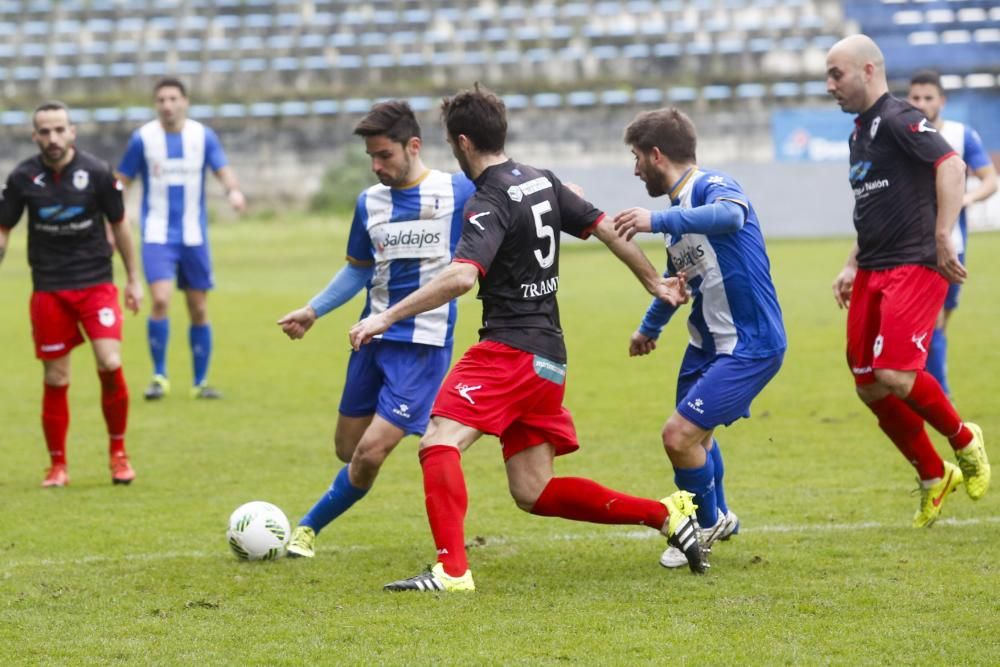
[81, 178]
[106, 316]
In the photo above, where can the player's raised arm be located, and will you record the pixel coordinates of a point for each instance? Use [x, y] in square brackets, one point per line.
[451, 283]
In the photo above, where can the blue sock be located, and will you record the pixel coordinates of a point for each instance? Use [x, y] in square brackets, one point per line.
[200, 338]
[700, 482]
[937, 359]
[336, 501]
[158, 334]
[720, 471]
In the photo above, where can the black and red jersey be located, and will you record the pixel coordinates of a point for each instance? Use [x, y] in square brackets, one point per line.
[67, 243]
[511, 233]
[894, 153]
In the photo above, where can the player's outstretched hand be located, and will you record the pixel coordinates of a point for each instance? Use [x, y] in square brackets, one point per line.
[640, 345]
[363, 332]
[631, 221]
[296, 323]
[133, 296]
[237, 200]
[842, 286]
[948, 264]
[673, 290]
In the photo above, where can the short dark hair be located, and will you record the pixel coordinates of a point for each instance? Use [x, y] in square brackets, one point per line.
[669, 130]
[927, 76]
[393, 119]
[480, 115]
[51, 105]
[170, 82]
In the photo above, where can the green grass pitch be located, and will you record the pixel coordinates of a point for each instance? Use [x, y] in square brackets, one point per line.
[826, 569]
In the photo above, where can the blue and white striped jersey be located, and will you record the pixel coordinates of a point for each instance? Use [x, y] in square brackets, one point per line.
[969, 147]
[410, 234]
[172, 165]
[734, 307]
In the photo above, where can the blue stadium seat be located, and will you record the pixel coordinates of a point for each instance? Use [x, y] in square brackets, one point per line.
[61, 71]
[648, 96]
[638, 51]
[78, 116]
[312, 41]
[604, 52]
[280, 42]
[381, 60]
[187, 67]
[139, 114]
[516, 101]
[33, 50]
[250, 43]
[288, 20]
[682, 94]
[154, 68]
[374, 39]
[107, 115]
[325, 107]
[315, 63]
[253, 65]
[343, 40]
[547, 100]
[123, 69]
[750, 91]
[356, 105]
[35, 28]
[615, 97]
[263, 110]
[294, 108]
[412, 60]
[221, 66]
[347, 61]
[232, 110]
[201, 111]
[90, 71]
[189, 45]
[581, 98]
[227, 21]
[716, 92]
[261, 21]
[667, 50]
[14, 117]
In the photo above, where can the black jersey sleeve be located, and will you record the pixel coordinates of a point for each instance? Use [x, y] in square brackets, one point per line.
[918, 138]
[483, 231]
[11, 203]
[577, 215]
[109, 196]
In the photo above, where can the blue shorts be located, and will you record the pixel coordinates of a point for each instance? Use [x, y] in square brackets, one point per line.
[190, 265]
[951, 299]
[716, 390]
[397, 381]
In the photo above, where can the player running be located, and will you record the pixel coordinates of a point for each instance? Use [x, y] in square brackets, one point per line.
[512, 383]
[171, 155]
[69, 195]
[403, 234]
[908, 188]
[737, 334]
[927, 95]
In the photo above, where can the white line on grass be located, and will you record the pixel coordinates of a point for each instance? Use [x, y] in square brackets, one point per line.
[491, 541]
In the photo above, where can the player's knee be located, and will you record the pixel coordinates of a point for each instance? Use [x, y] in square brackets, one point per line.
[160, 308]
[526, 492]
[344, 447]
[56, 376]
[899, 383]
[109, 361]
[675, 440]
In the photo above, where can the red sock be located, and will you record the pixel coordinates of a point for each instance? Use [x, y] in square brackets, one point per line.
[55, 421]
[906, 430]
[114, 401]
[447, 501]
[582, 499]
[928, 399]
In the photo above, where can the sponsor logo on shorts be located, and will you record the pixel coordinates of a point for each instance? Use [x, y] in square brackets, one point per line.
[550, 370]
[106, 316]
[403, 411]
[696, 405]
[465, 391]
[877, 347]
[52, 348]
[919, 341]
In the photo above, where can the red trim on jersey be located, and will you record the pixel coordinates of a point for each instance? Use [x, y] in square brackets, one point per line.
[590, 230]
[459, 260]
[943, 158]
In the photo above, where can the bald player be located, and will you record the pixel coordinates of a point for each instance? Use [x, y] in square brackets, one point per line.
[908, 186]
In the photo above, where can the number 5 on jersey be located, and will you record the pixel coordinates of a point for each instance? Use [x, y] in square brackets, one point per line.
[544, 232]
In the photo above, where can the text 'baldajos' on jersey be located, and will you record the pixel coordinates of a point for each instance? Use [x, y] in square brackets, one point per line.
[734, 308]
[172, 165]
[511, 234]
[410, 234]
[67, 243]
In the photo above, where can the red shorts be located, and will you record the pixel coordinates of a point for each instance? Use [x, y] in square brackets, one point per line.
[517, 395]
[56, 318]
[891, 319]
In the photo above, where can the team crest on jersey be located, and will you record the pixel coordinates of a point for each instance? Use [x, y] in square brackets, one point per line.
[716, 179]
[106, 316]
[81, 179]
[515, 194]
[875, 124]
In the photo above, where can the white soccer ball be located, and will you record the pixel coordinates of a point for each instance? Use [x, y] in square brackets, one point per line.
[258, 531]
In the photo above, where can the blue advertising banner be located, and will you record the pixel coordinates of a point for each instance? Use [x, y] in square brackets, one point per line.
[811, 135]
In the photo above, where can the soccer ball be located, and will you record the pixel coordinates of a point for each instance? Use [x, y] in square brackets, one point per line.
[258, 531]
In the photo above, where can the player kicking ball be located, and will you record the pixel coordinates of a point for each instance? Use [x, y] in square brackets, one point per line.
[511, 384]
